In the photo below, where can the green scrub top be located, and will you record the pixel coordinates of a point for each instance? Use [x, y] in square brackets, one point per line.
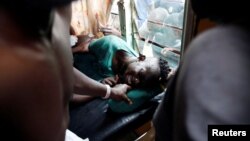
[103, 50]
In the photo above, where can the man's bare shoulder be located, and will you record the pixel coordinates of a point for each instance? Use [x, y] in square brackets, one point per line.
[23, 69]
[30, 90]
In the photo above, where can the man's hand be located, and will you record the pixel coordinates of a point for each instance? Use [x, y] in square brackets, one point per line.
[111, 81]
[83, 44]
[118, 92]
[110, 31]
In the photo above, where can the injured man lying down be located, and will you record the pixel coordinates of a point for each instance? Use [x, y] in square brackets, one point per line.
[111, 61]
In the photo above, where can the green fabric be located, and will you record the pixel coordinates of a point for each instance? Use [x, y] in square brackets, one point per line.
[98, 65]
[138, 97]
[105, 48]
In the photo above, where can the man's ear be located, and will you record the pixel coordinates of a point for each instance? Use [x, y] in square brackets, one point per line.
[141, 57]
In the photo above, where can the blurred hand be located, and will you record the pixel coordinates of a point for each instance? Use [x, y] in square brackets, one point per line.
[82, 46]
[118, 92]
[110, 31]
[111, 81]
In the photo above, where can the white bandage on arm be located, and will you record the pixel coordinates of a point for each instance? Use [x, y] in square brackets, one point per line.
[108, 92]
[73, 40]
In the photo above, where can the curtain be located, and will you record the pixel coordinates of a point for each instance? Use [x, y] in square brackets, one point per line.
[86, 14]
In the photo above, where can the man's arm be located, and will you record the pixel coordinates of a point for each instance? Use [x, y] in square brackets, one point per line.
[110, 31]
[87, 86]
[77, 98]
[31, 99]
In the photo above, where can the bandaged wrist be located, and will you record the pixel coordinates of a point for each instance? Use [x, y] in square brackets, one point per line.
[73, 40]
[108, 92]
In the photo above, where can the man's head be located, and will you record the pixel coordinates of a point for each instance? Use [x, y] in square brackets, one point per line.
[146, 72]
[35, 17]
[34, 4]
[223, 10]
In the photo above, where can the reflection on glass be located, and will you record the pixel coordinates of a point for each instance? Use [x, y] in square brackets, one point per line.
[114, 20]
[161, 22]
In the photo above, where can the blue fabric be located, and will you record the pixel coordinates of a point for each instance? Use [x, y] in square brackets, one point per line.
[143, 7]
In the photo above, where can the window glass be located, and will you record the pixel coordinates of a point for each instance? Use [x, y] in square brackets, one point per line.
[159, 24]
[114, 20]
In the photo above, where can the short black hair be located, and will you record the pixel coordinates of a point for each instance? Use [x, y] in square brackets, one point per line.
[222, 10]
[34, 16]
[164, 70]
[33, 4]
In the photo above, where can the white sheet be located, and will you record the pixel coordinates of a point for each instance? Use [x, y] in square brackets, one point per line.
[70, 136]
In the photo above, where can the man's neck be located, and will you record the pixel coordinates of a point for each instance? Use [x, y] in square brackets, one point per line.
[9, 29]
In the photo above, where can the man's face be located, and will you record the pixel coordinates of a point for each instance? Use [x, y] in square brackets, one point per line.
[142, 73]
